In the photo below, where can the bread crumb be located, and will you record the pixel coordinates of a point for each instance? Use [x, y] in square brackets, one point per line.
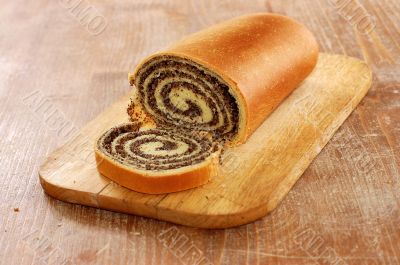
[16, 209]
[137, 114]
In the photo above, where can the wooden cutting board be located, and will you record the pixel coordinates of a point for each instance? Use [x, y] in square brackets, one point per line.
[253, 178]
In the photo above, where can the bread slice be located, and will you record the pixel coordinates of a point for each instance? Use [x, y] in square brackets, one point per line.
[155, 161]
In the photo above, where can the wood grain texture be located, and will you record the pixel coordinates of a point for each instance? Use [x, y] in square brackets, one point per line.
[345, 209]
[252, 179]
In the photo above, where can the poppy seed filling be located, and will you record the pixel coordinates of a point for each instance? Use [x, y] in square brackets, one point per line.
[153, 149]
[178, 92]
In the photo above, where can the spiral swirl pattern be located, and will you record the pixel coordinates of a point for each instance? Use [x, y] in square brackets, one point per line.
[153, 149]
[178, 92]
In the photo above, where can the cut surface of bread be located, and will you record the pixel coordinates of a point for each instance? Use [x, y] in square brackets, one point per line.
[178, 92]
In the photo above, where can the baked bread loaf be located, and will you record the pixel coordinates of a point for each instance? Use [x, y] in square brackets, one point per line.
[223, 81]
[155, 161]
[228, 78]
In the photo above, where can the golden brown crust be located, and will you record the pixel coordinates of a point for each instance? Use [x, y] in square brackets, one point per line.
[263, 57]
[153, 184]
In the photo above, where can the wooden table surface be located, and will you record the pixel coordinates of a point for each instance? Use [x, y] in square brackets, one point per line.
[63, 62]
